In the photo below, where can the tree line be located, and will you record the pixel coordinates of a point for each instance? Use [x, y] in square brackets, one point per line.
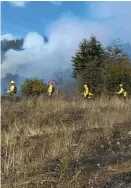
[11, 44]
[15, 44]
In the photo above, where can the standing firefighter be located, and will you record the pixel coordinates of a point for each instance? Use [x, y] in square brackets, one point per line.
[122, 92]
[87, 94]
[13, 89]
[51, 89]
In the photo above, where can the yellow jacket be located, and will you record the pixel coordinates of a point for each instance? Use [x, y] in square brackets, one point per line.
[11, 90]
[121, 91]
[86, 91]
[125, 94]
[50, 89]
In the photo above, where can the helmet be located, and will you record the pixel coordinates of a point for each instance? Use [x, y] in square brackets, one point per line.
[51, 83]
[85, 85]
[121, 85]
[12, 82]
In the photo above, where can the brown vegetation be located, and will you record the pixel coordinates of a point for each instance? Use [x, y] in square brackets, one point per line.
[66, 144]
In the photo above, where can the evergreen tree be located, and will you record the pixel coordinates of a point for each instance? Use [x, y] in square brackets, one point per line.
[89, 52]
[88, 63]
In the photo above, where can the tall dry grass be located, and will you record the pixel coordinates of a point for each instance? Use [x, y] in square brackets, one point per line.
[45, 143]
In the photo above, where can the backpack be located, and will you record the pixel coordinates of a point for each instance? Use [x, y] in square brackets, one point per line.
[53, 89]
[15, 90]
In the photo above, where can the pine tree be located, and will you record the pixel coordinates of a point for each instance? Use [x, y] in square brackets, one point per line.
[88, 63]
[89, 51]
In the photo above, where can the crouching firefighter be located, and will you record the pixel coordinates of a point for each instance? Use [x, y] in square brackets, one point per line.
[51, 89]
[13, 89]
[87, 94]
[122, 92]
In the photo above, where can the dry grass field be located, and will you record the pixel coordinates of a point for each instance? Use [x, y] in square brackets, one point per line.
[66, 144]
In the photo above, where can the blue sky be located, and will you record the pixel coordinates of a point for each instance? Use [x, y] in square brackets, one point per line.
[65, 24]
[36, 16]
[19, 18]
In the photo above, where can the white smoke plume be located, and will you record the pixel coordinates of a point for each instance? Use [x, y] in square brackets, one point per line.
[43, 59]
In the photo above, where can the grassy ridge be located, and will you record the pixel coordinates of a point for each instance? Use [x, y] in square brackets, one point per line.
[65, 144]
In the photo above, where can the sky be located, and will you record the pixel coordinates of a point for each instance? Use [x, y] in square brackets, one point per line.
[65, 24]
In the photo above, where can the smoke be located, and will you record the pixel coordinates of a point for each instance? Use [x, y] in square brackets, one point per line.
[40, 59]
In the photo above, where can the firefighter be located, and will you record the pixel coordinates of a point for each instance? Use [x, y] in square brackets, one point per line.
[125, 94]
[51, 89]
[87, 93]
[122, 92]
[13, 89]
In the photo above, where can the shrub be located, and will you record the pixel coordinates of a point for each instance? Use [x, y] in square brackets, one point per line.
[33, 87]
[117, 73]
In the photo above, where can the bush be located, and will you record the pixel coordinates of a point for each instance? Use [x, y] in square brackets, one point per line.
[32, 87]
[117, 73]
